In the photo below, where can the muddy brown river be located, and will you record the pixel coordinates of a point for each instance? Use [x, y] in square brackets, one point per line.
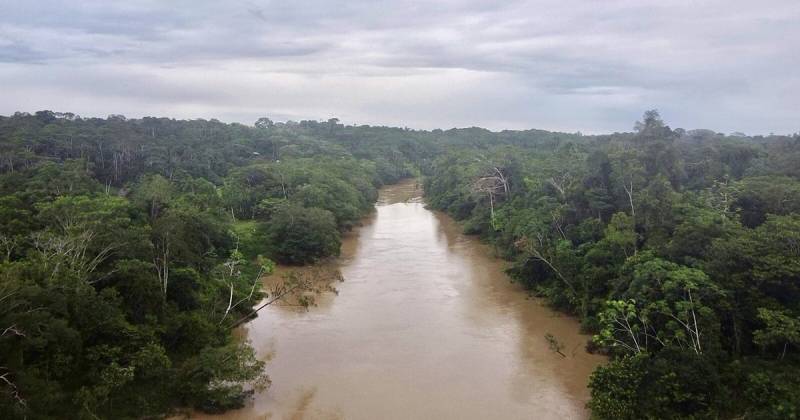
[425, 325]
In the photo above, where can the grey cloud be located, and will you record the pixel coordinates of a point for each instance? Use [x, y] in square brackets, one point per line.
[13, 52]
[567, 64]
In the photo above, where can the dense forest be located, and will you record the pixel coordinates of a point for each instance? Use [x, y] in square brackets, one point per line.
[132, 247]
[679, 250]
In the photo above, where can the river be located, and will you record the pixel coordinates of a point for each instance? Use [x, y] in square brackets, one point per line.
[425, 325]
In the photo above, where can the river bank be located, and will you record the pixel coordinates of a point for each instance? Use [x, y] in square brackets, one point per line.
[425, 324]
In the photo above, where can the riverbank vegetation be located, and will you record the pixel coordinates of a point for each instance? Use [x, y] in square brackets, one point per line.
[679, 250]
[130, 248]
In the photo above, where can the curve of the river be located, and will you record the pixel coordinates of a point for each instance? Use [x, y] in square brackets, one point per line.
[425, 325]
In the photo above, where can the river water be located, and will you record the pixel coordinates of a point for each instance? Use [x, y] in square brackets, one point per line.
[425, 325]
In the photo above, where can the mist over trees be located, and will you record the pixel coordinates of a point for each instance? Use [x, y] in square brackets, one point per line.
[130, 247]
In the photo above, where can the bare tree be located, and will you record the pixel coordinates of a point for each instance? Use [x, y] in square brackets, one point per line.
[161, 260]
[627, 185]
[71, 251]
[10, 331]
[626, 327]
[721, 196]
[5, 377]
[689, 323]
[231, 273]
[563, 181]
[277, 293]
[8, 244]
[302, 285]
[494, 183]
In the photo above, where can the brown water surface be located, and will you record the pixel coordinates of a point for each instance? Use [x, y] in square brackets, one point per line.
[425, 325]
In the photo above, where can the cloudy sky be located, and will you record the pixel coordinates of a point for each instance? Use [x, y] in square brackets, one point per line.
[567, 65]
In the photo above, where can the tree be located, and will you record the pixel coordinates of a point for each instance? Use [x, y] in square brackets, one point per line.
[620, 235]
[625, 326]
[628, 174]
[758, 197]
[83, 233]
[213, 377]
[616, 388]
[15, 223]
[264, 123]
[494, 183]
[669, 300]
[154, 192]
[779, 329]
[230, 273]
[301, 235]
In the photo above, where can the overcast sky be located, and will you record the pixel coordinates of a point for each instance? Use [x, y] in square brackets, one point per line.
[566, 65]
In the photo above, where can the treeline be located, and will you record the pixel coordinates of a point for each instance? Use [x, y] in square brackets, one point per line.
[679, 250]
[131, 247]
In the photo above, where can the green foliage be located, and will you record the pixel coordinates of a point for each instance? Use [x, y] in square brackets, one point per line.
[301, 235]
[615, 388]
[127, 247]
[757, 197]
[668, 385]
[772, 393]
[678, 249]
[154, 193]
[214, 377]
[779, 329]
